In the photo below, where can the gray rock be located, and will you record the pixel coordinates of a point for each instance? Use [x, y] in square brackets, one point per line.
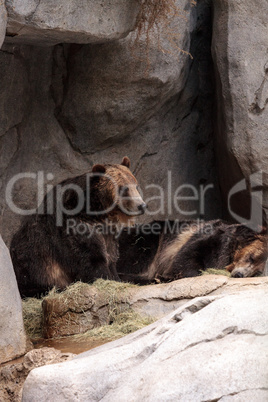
[43, 356]
[13, 375]
[31, 138]
[213, 347]
[240, 41]
[14, 91]
[46, 22]
[3, 22]
[159, 300]
[12, 335]
[115, 88]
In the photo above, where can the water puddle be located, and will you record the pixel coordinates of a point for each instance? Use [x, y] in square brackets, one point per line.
[65, 345]
[69, 344]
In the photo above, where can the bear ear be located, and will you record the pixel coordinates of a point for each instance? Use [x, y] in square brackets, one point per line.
[126, 162]
[98, 169]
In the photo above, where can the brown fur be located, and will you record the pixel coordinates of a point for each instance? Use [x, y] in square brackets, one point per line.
[166, 254]
[250, 260]
[193, 247]
[46, 253]
[56, 275]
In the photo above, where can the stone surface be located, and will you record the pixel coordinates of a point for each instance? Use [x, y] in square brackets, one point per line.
[81, 104]
[46, 22]
[240, 41]
[159, 300]
[212, 348]
[74, 313]
[30, 131]
[77, 311]
[12, 335]
[12, 376]
[3, 22]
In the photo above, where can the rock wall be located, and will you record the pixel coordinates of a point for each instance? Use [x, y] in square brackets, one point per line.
[46, 22]
[3, 22]
[240, 42]
[72, 105]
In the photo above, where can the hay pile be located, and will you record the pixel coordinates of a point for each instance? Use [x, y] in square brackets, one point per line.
[32, 317]
[122, 319]
[124, 323]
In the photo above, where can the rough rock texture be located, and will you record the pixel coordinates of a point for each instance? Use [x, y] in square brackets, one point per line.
[46, 22]
[81, 104]
[240, 42]
[74, 313]
[159, 300]
[3, 22]
[12, 335]
[12, 376]
[224, 356]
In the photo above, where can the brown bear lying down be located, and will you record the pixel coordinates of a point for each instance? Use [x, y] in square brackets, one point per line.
[170, 250]
[74, 238]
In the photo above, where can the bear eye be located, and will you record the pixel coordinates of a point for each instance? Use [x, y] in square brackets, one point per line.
[123, 190]
[251, 259]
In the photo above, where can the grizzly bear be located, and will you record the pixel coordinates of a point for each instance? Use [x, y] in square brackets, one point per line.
[166, 251]
[74, 238]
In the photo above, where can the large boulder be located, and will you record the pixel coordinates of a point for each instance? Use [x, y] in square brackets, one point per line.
[212, 348]
[47, 22]
[3, 22]
[12, 335]
[240, 41]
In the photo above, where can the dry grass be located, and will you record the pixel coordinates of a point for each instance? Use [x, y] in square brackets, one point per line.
[116, 292]
[122, 319]
[32, 317]
[124, 323]
[214, 271]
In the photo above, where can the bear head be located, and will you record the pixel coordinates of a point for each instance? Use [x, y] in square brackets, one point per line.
[250, 252]
[117, 191]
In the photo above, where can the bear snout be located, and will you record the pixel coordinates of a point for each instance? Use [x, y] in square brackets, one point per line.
[238, 275]
[142, 207]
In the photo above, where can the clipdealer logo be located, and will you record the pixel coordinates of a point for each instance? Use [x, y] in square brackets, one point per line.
[254, 185]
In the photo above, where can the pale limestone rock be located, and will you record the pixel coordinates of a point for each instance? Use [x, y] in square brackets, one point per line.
[211, 348]
[12, 335]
